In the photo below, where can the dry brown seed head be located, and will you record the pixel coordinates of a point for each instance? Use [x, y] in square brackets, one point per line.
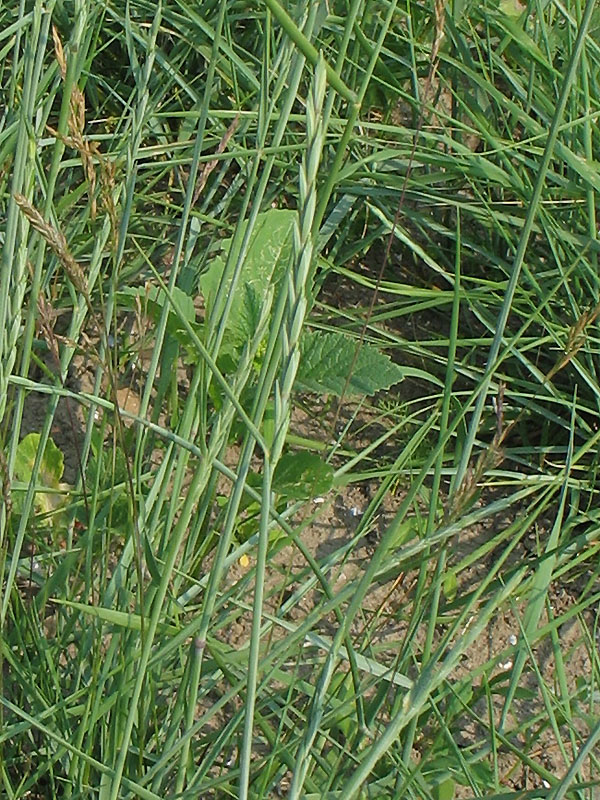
[59, 53]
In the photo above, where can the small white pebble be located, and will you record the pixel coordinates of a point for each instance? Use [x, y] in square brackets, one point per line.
[318, 500]
[505, 665]
[512, 640]
[355, 511]
[546, 784]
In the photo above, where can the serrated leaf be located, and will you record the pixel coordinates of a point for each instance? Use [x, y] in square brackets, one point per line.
[302, 475]
[266, 259]
[328, 358]
[250, 312]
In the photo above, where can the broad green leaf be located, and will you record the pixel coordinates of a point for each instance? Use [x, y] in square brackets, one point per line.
[153, 300]
[444, 790]
[51, 466]
[512, 8]
[50, 472]
[267, 257]
[328, 358]
[450, 586]
[302, 475]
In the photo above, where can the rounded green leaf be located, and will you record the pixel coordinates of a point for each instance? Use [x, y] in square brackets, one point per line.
[302, 475]
[51, 465]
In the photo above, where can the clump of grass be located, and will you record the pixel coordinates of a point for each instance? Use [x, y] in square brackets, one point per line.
[179, 624]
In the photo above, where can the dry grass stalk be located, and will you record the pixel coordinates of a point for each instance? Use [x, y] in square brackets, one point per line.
[45, 322]
[55, 239]
[6, 486]
[494, 454]
[89, 151]
[59, 53]
[107, 193]
[490, 458]
[440, 18]
[575, 340]
[210, 165]
[438, 37]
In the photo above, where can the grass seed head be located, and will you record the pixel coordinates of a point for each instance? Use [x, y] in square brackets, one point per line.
[55, 239]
